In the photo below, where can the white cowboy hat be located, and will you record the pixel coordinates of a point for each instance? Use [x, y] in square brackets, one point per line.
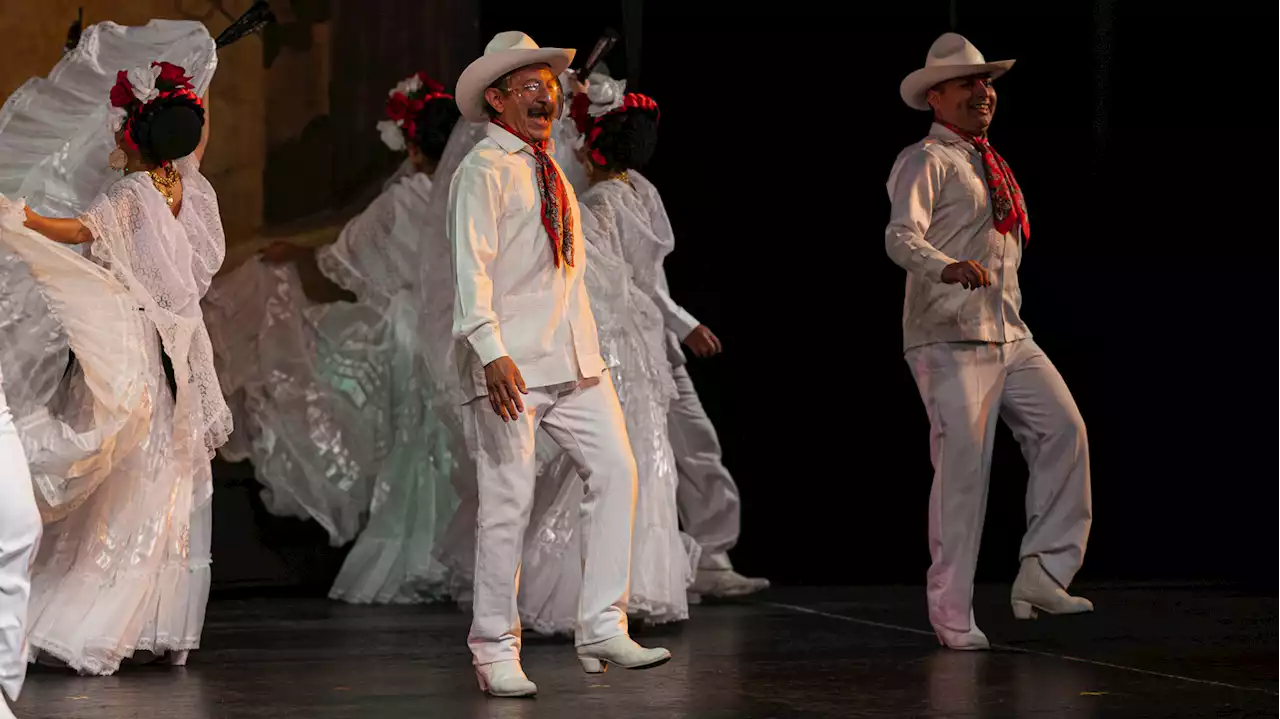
[507, 51]
[950, 56]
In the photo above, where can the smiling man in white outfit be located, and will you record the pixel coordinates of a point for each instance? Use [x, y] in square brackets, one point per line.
[19, 537]
[529, 357]
[958, 226]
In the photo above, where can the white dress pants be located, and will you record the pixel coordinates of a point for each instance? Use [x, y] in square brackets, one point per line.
[586, 420]
[706, 496]
[965, 387]
[19, 537]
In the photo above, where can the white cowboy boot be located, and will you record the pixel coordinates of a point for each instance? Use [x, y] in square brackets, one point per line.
[1035, 591]
[620, 650]
[724, 584]
[972, 641]
[505, 679]
[178, 658]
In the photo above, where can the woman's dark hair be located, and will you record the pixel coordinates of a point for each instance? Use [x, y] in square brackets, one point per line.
[168, 129]
[434, 125]
[626, 140]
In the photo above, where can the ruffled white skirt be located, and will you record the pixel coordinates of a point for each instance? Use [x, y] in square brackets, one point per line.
[128, 569]
[338, 417]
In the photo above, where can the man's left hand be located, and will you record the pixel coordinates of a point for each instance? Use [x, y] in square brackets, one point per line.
[703, 342]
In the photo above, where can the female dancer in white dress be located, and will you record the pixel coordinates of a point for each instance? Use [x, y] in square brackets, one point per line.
[619, 134]
[120, 453]
[336, 409]
[633, 341]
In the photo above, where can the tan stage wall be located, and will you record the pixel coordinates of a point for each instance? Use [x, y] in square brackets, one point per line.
[279, 154]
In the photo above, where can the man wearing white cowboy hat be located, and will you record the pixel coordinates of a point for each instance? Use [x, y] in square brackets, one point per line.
[529, 357]
[958, 226]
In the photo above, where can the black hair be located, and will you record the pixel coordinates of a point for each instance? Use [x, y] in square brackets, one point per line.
[433, 126]
[168, 128]
[626, 140]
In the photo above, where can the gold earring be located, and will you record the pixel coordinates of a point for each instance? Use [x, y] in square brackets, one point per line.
[117, 160]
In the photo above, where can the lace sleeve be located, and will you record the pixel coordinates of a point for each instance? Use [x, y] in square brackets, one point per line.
[166, 266]
[359, 255]
[188, 165]
[115, 213]
[607, 275]
[202, 220]
[377, 253]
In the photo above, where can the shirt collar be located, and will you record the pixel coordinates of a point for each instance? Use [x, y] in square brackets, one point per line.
[944, 134]
[509, 142]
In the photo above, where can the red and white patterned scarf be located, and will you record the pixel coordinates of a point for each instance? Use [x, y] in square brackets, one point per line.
[557, 216]
[1007, 206]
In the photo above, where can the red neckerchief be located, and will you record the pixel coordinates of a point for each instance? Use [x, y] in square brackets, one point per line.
[557, 216]
[1007, 206]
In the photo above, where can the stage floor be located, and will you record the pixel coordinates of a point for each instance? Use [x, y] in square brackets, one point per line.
[1150, 651]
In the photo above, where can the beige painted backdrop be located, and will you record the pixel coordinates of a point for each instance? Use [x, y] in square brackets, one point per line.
[283, 161]
[36, 30]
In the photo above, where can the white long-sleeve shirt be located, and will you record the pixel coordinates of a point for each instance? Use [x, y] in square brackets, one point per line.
[510, 298]
[941, 214]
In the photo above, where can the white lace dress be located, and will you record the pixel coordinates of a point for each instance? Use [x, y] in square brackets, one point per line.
[340, 413]
[120, 456]
[120, 461]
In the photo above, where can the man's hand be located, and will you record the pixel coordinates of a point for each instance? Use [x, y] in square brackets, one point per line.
[703, 342]
[968, 274]
[505, 387]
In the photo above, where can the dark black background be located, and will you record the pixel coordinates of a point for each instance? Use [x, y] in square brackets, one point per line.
[1142, 136]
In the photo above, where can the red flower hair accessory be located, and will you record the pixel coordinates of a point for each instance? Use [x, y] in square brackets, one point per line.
[404, 103]
[138, 88]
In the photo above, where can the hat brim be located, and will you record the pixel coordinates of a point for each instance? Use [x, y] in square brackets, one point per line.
[915, 87]
[480, 74]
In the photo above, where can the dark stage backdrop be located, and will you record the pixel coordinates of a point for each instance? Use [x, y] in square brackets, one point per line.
[1147, 279]
[1135, 134]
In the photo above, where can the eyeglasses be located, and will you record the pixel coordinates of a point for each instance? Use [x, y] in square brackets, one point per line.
[537, 89]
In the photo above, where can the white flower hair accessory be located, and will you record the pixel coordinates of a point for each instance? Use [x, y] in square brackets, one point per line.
[407, 86]
[605, 94]
[143, 80]
[391, 135]
[116, 117]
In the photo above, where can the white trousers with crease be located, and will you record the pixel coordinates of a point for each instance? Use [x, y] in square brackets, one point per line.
[706, 496]
[586, 420]
[965, 387]
[20, 529]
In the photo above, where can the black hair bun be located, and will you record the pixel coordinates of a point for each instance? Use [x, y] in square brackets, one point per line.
[433, 126]
[627, 140]
[168, 129]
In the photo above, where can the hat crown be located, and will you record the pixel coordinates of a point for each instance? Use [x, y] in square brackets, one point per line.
[510, 40]
[951, 49]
